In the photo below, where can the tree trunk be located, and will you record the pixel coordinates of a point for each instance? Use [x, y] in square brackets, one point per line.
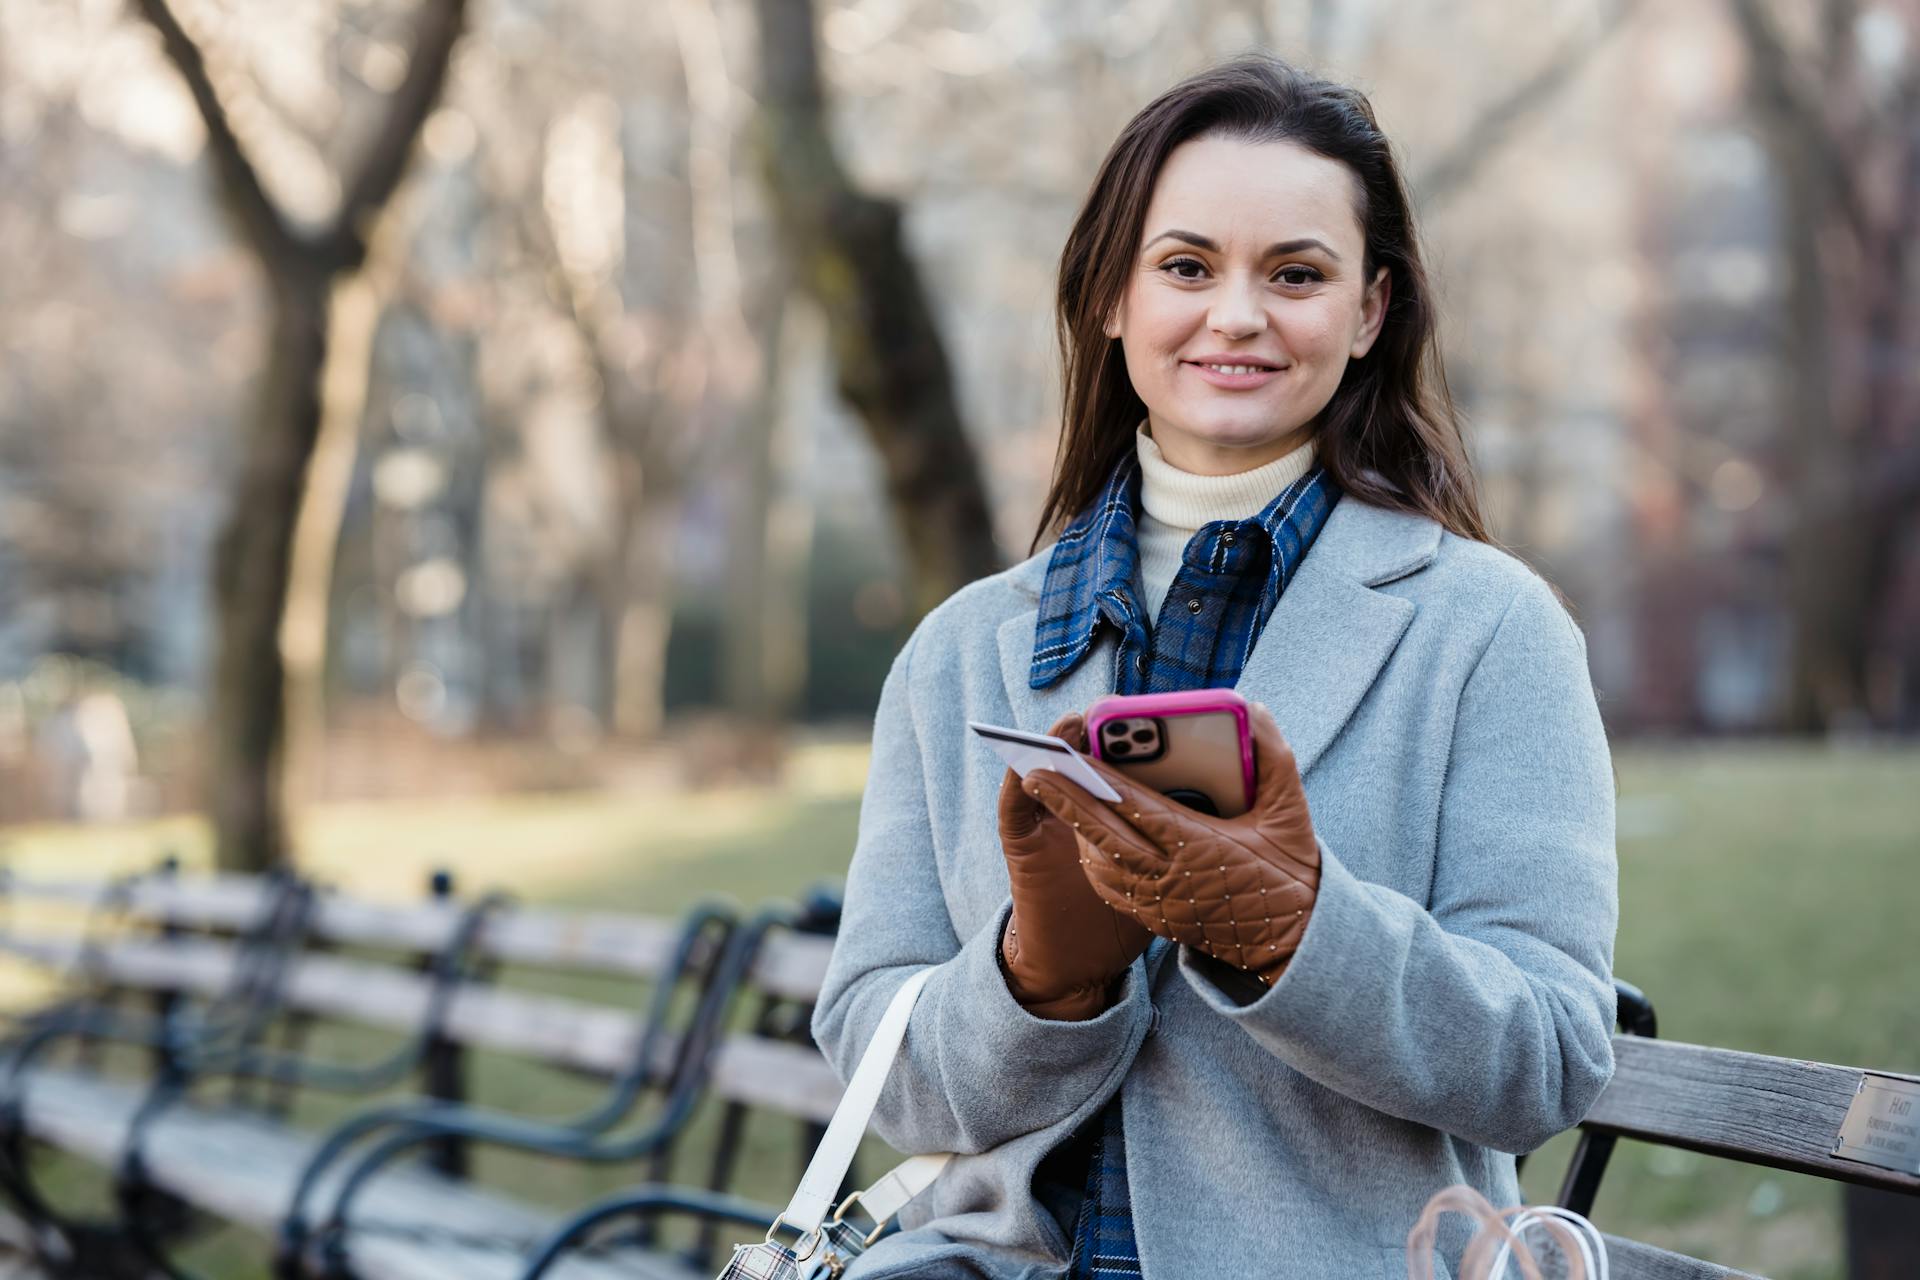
[1816, 476]
[848, 252]
[251, 576]
[642, 596]
[353, 320]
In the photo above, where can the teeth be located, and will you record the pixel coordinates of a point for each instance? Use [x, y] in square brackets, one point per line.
[1236, 368]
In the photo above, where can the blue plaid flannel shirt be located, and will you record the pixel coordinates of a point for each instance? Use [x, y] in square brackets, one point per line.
[1231, 575]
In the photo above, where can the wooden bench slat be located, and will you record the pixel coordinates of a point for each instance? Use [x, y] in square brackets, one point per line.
[1633, 1260]
[625, 944]
[793, 966]
[571, 1033]
[1780, 1112]
[789, 966]
[789, 1078]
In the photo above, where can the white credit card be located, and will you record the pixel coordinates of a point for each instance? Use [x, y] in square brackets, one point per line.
[1024, 752]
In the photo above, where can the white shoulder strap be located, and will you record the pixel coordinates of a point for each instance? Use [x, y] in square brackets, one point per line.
[902, 1183]
[834, 1156]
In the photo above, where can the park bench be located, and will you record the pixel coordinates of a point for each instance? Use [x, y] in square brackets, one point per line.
[242, 1163]
[1772, 1111]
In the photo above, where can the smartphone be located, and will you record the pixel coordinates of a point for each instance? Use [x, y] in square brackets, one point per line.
[1024, 752]
[1193, 746]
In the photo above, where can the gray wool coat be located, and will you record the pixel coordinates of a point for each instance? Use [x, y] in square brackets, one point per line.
[1451, 1001]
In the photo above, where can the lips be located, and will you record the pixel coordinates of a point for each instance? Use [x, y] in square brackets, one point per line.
[1238, 374]
[1224, 357]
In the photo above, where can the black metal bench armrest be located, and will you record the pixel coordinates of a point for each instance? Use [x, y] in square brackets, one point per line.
[451, 966]
[447, 1118]
[688, 1084]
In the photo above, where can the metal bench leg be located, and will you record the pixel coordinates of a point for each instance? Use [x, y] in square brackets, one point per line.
[1589, 1164]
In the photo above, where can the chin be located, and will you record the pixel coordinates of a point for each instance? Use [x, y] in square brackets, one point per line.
[1236, 431]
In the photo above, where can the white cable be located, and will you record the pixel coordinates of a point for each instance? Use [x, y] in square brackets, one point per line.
[1593, 1257]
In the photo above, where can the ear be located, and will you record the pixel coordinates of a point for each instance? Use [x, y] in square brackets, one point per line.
[1373, 312]
[1112, 326]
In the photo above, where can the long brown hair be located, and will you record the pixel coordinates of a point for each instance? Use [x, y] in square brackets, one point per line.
[1391, 435]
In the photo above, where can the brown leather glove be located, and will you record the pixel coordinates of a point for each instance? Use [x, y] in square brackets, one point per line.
[1240, 889]
[1064, 946]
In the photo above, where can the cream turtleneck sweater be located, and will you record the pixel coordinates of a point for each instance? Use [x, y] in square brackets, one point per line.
[1175, 503]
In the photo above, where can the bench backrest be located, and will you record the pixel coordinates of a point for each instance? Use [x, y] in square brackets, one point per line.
[619, 944]
[592, 1038]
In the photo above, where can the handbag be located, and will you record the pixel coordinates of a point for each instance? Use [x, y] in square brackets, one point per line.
[828, 1237]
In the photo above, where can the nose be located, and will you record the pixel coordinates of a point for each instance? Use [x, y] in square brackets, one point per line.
[1237, 310]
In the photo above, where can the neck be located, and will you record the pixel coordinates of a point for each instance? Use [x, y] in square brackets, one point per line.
[1185, 500]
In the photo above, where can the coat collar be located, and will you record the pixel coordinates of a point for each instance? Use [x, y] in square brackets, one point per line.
[1329, 635]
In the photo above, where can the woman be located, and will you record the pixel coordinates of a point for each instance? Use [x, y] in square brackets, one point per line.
[1264, 486]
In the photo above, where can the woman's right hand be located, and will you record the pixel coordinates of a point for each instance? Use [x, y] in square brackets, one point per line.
[1063, 946]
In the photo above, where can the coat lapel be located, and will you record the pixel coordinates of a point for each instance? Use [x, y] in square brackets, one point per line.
[1035, 710]
[1319, 653]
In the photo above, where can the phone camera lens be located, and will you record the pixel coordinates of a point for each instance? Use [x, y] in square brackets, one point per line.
[1120, 748]
[1143, 736]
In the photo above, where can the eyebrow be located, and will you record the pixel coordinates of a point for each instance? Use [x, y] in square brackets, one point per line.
[1274, 250]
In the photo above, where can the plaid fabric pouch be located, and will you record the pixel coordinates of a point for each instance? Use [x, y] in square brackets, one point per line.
[764, 1261]
[826, 1256]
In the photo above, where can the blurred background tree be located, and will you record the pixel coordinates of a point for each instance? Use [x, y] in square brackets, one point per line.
[1835, 90]
[253, 562]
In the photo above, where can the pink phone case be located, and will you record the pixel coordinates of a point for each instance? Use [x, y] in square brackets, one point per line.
[1194, 745]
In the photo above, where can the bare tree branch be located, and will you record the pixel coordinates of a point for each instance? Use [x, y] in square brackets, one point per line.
[1798, 111]
[1483, 138]
[436, 32]
[259, 217]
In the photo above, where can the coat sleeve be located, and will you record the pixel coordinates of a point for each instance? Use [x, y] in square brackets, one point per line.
[1487, 1015]
[977, 1069]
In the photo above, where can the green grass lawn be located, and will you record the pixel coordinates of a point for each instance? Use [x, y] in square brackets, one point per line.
[1769, 901]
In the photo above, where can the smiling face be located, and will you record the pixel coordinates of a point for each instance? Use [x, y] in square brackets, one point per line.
[1246, 300]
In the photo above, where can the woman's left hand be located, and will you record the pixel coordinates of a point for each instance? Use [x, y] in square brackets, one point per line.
[1240, 889]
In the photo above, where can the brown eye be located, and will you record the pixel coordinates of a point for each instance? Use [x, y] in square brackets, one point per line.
[1184, 268]
[1298, 277]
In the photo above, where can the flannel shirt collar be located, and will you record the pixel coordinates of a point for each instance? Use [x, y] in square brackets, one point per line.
[1094, 569]
[1090, 575]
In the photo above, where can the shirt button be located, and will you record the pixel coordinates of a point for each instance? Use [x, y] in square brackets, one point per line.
[1193, 606]
[1140, 663]
[1226, 538]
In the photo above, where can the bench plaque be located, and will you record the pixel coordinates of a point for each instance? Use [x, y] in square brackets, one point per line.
[1883, 1125]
